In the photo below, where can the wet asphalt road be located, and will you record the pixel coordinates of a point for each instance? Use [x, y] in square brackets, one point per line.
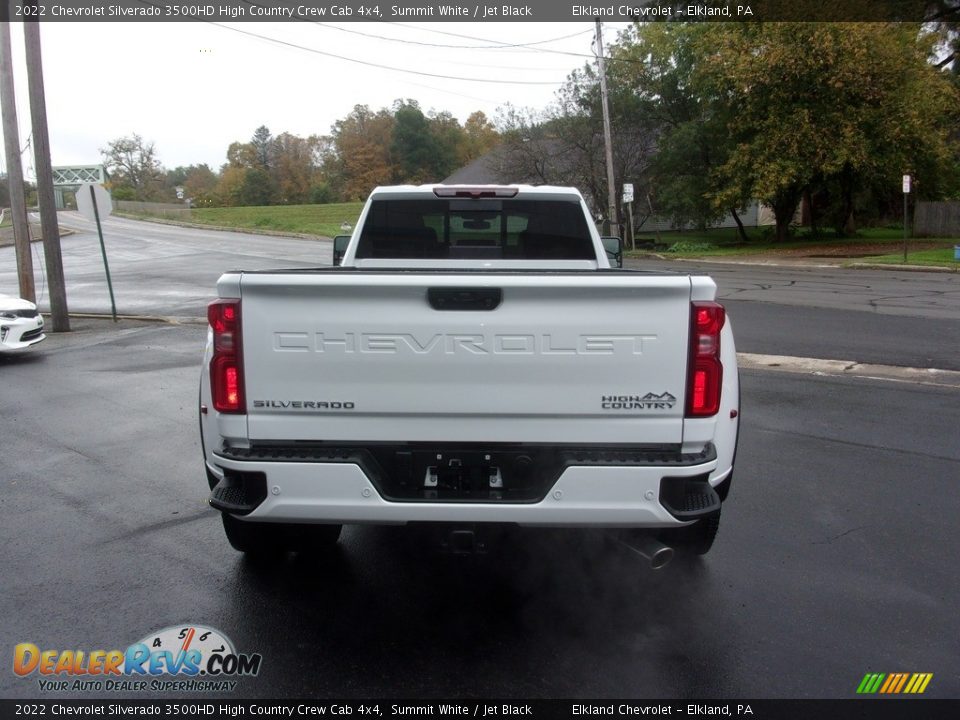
[836, 554]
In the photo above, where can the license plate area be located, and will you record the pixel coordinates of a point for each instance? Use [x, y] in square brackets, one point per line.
[467, 475]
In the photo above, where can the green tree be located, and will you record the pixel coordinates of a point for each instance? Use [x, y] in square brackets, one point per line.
[479, 137]
[656, 63]
[249, 164]
[295, 167]
[132, 163]
[198, 182]
[818, 104]
[359, 158]
[254, 188]
[200, 185]
[448, 136]
[229, 189]
[414, 148]
[5, 191]
[242, 155]
[262, 143]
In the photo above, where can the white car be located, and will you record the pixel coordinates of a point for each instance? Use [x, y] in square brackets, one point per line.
[20, 324]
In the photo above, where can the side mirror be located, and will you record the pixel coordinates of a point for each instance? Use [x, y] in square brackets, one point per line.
[340, 243]
[614, 248]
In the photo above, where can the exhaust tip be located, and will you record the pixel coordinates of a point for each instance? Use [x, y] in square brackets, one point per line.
[651, 549]
[661, 558]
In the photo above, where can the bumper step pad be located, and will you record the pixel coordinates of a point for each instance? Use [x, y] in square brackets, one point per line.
[239, 493]
[689, 498]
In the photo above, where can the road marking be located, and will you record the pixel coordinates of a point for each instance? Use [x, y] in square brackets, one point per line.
[849, 368]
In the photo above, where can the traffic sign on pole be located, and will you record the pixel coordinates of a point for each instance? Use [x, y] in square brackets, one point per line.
[92, 202]
[85, 201]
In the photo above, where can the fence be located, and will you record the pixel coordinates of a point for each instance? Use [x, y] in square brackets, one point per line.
[937, 219]
[167, 210]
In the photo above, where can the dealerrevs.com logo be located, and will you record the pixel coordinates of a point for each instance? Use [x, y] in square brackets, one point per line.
[180, 658]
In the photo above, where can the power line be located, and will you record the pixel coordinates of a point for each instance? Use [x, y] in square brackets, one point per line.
[502, 46]
[497, 46]
[506, 67]
[568, 53]
[505, 45]
[367, 63]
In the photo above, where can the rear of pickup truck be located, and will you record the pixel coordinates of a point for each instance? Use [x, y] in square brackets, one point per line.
[467, 392]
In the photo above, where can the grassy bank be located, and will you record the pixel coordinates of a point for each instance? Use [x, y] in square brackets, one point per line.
[308, 219]
[939, 257]
[723, 241]
[867, 244]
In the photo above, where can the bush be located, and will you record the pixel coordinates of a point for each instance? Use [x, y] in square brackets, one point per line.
[123, 193]
[321, 194]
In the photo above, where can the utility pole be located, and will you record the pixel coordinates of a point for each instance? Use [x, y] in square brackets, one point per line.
[608, 146]
[48, 209]
[11, 141]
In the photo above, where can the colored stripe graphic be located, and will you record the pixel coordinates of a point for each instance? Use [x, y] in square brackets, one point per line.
[894, 683]
[870, 683]
[918, 683]
[891, 682]
[903, 679]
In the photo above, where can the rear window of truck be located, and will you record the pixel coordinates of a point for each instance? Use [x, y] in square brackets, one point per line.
[466, 229]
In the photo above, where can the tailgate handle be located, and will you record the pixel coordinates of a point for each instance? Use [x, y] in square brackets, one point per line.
[482, 299]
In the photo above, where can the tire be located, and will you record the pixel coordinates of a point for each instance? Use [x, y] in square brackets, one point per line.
[723, 489]
[696, 539]
[271, 539]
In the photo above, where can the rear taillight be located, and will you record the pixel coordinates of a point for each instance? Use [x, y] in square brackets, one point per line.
[226, 365]
[705, 373]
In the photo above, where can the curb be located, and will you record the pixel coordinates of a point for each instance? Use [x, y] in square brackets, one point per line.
[849, 368]
[801, 264]
[64, 232]
[165, 319]
[903, 268]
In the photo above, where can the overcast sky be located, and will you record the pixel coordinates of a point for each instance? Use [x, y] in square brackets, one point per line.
[193, 88]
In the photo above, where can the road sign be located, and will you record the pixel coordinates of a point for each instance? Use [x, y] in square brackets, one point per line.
[628, 192]
[906, 183]
[92, 202]
[85, 203]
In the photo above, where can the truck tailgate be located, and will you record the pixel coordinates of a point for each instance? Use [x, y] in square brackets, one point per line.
[405, 356]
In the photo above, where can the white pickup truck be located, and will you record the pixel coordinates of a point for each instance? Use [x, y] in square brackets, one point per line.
[473, 360]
